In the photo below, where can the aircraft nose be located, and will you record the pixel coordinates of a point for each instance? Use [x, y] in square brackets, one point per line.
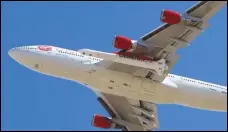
[24, 55]
[19, 54]
[13, 53]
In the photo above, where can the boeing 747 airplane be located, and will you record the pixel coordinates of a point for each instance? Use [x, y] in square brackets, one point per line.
[131, 82]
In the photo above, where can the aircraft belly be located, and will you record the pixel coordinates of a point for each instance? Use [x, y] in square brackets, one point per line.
[201, 98]
[64, 68]
[112, 83]
[122, 84]
[108, 81]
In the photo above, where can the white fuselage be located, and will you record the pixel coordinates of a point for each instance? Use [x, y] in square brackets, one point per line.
[89, 71]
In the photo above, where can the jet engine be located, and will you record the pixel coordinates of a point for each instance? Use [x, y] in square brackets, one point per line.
[170, 17]
[124, 43]
[121, 42]
[101, 122]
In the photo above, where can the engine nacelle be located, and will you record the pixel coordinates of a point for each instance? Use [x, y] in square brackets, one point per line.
[170, 17]
[101, 122]
[124, 43]
[121, 42]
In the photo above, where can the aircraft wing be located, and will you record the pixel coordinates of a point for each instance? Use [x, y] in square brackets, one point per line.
[166, 39]
[132, 115]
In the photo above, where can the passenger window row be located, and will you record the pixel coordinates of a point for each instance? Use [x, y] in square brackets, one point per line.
[75, 54]
[170, 76]
[25, 48]
[201, 83]
[71, 53]
[188, 80]
[198, 82]
[209, 85]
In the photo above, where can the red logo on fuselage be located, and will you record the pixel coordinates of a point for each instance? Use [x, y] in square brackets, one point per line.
[45, 48]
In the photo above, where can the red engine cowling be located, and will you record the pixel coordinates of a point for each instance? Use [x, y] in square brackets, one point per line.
[170, 17]
[121, 42]
[124, 43]
[101, 122]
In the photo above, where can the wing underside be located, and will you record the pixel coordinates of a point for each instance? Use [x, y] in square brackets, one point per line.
[166, 39]
[136, 115]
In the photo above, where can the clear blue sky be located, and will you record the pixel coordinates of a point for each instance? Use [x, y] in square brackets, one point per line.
[32, 101]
